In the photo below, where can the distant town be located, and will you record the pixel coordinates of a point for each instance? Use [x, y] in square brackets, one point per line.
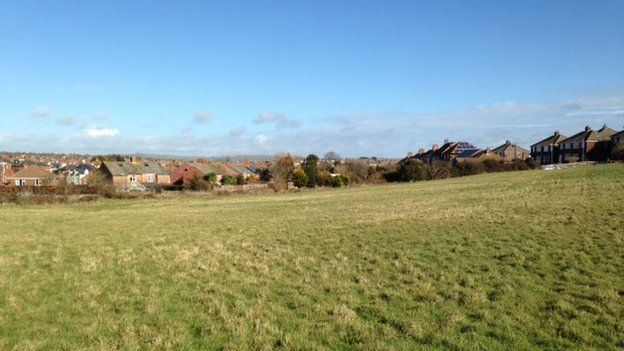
[141, 173]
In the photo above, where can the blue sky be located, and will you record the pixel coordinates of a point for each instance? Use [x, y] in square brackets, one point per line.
[360, 78]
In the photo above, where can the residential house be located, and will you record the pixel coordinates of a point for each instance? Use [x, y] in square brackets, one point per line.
[31, 176]
[449, 151]
[546, 151]
[510, 151]
[125, 173]
[605, 130]
[617, 138]
[617, 146]
[460, 149]
[587, 145]
[77, 175]
[185, 173]
[236, 170]
[480, 154]
[5, 171]
[188, 170]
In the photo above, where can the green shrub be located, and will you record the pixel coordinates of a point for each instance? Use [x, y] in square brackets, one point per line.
[323, 178]
[468, 167]
[412, 170]
[197, 183]
[227, 179]
[310, 167]
[211, 177]
[300, 178]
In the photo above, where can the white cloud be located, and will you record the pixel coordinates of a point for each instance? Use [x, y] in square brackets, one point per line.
[202, 117]
[261, 139]
[66, 120]
[97, 132]
[42, 112]
[279, 119]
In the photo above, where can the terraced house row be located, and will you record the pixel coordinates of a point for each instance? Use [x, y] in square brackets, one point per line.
[133, 173]
[586, 145]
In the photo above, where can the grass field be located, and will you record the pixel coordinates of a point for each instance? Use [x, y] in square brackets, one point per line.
[523, 260]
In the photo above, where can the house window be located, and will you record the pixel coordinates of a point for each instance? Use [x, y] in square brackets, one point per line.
[38, 182]
[150, 178]
[20, 182]
[133, 178]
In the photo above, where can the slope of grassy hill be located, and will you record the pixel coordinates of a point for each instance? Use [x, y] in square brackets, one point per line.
[522, 260]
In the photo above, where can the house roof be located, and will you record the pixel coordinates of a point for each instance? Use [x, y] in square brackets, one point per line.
[123, 168]
[81, 168]
[467, 153]
[508, 144]
[32, 172]
[461, 149]
[209, 167]
[554, 139]
[605, 130]
[586, 135]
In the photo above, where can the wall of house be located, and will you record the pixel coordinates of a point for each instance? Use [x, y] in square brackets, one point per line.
[29, 181]
[546, 157]
[592, 151]
[143, 179]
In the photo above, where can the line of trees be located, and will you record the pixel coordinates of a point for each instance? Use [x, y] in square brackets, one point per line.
[415, 170]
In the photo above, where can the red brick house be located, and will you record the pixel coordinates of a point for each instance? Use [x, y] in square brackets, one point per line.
[588, 145]
[5, 171]
[509, 151]
[185, 173]
[546, 151]
[31, 176]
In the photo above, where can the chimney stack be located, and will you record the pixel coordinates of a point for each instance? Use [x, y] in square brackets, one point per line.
[435, 147]
[410, 154]
[421, 151]
[133, 159]
[557, 133]
[587, 128]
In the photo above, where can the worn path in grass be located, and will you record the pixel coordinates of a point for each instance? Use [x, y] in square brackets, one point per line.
[523, 260]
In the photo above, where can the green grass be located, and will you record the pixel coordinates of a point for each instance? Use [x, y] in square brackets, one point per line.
[523, 260]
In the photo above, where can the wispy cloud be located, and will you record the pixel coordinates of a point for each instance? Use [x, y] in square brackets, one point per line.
[42, 112]
[202, 117]
[100, 116]
[66, 121]
[269, 117]
[280, 120]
